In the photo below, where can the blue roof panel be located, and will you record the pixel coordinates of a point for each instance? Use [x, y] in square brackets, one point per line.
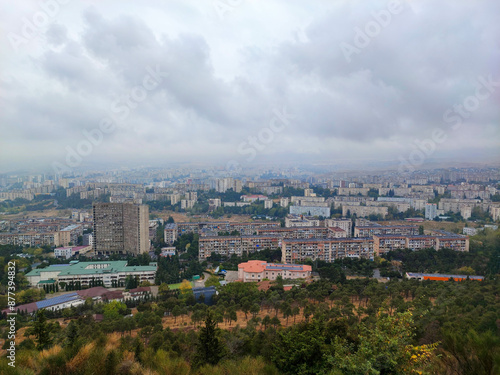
[57, 300]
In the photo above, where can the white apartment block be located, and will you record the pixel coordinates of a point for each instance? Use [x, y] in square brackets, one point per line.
[364, 211]
[342, 223]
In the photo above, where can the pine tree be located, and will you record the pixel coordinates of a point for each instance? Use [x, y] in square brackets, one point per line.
[210, 348]
[41, 330]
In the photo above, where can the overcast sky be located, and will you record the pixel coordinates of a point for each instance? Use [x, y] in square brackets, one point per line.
[305, 80]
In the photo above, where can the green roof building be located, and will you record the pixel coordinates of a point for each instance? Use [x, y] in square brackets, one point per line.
[111, 273]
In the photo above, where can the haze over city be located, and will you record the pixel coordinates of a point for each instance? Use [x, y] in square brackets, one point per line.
[237, 83]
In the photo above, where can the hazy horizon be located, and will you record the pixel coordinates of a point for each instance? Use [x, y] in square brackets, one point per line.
[240, 83]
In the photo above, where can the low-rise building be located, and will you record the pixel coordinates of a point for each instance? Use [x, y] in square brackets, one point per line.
[71, 251]
[441, 277]
[469, 231]
[110, 273]
[258, 270]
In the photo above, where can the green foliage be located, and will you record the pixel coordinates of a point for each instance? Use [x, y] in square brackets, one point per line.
[114, 310]
[472, 353]
[212, 281]
[210, 348]
[301, 349]
[41, 331]
[383, 348]
[444, 260]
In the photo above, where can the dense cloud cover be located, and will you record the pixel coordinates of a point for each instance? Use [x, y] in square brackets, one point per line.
[192, 81]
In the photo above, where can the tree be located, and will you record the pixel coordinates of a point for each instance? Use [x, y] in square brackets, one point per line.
[266, 321]
[212, 281]
[472, 353]
[185, 288]
[176, 311]
[209, 349]
[301, 349]
[163, 290]
[385, 348]
[111, 362]
[71, 333]
[254, 310]
[114, 310]
[275, 321]
[131, 282]
[41, 331]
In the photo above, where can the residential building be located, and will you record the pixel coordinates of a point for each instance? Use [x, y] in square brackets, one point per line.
[258, 270]
[364, 211]
[313, 209]
[469, 231]
[303, 232]
[88, 239]
[284, 202]
[342, 223]
[368, 231]
[431, 211]
[268, 203]
[71, 251]
[170, 233]
[31, 239]
[70, 234]
[326, 249]
[384, 243]
[121, 228]
[239, 245]
[495, 212]
[293, 221]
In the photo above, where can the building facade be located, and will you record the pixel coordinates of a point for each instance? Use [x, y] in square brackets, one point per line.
[258, 270]
[120, 228]
[298, 250]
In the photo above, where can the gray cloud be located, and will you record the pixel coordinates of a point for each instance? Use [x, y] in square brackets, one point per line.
[225, 79]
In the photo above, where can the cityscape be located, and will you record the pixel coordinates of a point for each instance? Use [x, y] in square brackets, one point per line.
[250, 188]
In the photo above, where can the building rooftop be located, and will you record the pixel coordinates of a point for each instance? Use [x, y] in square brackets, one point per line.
[417, 274]
[87, 268]
[57, 300]
[311, 240]
[261, 265]
[70, 227]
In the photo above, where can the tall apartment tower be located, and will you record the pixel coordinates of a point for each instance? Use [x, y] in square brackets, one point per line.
[120, 228]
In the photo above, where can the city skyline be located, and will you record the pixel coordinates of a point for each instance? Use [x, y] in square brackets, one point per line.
[234, 84]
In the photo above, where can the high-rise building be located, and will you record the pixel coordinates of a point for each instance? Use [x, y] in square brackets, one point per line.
[430, 211]
[120, 228]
